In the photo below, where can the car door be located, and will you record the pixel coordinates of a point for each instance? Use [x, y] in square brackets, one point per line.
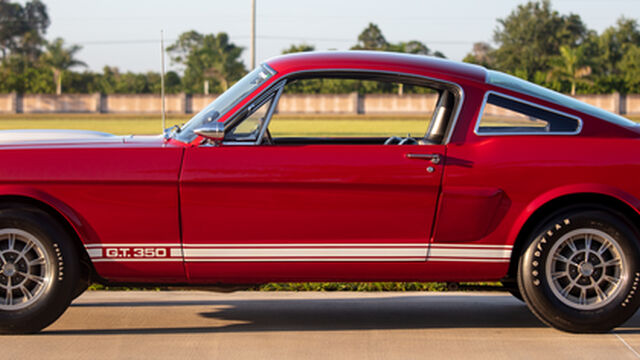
[253, 213]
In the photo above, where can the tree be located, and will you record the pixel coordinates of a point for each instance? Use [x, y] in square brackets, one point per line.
[615, 41]
[570, 66]
[531, 36]
[298, 48]
[22, 28]
[481, 54]
[629, 66]
[371, 38]
[61, 59]
[207, 57]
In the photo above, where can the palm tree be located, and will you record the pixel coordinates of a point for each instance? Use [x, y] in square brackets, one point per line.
[60, 59]
[570, 66]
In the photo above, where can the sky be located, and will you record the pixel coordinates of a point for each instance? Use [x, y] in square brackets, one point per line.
[126, 33]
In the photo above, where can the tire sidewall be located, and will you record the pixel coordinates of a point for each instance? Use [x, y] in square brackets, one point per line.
[537, 290]
[57, 295]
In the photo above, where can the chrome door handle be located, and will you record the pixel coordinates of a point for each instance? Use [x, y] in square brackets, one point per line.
[435, 158]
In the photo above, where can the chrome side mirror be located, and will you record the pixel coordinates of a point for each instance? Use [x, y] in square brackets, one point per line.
[212, 131]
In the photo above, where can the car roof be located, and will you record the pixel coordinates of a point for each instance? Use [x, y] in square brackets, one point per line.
[375, 60]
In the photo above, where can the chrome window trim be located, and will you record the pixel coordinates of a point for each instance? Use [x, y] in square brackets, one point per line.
[541, 107]
[261, 99]
[456, 89]
[266, 66]
[270, 111]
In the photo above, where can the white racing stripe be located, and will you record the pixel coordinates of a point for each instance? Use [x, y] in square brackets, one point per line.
[306, 252]
[274, 252]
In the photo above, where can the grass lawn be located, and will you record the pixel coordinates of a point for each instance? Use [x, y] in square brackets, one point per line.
[281, 125]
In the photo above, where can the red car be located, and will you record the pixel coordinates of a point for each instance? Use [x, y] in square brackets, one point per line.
[507, 181]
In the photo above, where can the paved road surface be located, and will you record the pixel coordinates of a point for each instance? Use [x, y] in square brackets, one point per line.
[275, 325]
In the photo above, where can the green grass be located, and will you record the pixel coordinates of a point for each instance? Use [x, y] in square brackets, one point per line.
[109, 123]
[282, 125]
[349, 286]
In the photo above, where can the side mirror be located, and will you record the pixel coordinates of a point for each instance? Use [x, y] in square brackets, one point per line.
[213, 131]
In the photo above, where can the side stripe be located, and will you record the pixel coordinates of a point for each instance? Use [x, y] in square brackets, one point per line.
[325, 252]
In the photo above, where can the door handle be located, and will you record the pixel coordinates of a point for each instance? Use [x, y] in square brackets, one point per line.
[435, 158]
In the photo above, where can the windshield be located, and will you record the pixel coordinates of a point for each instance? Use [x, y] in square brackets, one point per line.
[516, 84]
[225, 102]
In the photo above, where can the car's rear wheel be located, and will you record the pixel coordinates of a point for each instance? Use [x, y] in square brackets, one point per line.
[38, 270]
[581, 270]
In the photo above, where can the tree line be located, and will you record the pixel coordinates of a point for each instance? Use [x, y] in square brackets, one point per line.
[533, 42]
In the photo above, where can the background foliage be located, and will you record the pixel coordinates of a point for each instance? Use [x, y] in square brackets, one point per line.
[534, 42]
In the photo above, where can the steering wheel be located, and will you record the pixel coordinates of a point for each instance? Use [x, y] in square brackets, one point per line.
[393, 140]
[408, 141]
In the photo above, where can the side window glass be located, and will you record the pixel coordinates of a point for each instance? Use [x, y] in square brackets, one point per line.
[249, 128]
[502, 115]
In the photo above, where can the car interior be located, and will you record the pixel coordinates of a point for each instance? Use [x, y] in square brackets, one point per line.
[257, 122]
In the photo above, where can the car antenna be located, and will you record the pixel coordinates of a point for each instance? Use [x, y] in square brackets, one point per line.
[162, 79]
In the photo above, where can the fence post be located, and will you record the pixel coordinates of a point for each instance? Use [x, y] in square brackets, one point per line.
[19, 103]
[616, 102]
[13, 107]
[622, 104]
[359, 103]
[188, 103]
[96, 102]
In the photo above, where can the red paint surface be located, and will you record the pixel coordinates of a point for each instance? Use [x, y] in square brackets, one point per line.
[147, 191]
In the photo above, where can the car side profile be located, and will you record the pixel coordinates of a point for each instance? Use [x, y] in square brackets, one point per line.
[504, 181]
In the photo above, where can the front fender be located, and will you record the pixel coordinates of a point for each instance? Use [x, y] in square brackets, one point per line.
[79, 225]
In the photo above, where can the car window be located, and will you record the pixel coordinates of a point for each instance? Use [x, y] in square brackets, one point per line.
[337, 108]
[513, 83]
[504, 115]
[225, 102]
[249, 128]
[368, 109]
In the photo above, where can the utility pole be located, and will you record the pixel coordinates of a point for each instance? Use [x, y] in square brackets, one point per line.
[164, 125]
[253, 34]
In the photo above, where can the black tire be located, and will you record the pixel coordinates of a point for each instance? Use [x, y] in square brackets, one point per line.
[79, 289]
[57, 272]
[574, 289]
[512, 288]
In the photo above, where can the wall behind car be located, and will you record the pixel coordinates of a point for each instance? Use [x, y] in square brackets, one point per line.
[289, 103]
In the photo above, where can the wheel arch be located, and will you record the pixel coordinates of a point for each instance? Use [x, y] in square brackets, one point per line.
[538, 210]
[60, 212]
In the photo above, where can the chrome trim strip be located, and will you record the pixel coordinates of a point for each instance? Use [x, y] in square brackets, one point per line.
[270, 111]
[542, 107]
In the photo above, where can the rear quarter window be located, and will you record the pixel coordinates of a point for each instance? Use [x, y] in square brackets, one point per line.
[505, 115]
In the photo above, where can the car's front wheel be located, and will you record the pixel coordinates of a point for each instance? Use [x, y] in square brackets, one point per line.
[580, 271]
[38, 270]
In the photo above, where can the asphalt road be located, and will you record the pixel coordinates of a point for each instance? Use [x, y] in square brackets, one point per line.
[276, 325]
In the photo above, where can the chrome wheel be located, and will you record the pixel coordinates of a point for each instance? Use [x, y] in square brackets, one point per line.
[25, 269]
[585, 269]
